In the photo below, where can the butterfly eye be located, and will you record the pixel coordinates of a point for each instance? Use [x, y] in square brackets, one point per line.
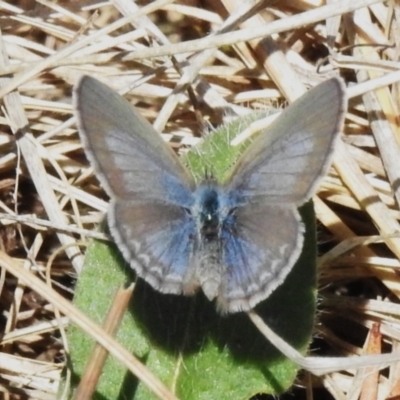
[232, 211]
[188, 211]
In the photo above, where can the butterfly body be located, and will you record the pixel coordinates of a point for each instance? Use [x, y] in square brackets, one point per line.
[237, 241]
[213, 213]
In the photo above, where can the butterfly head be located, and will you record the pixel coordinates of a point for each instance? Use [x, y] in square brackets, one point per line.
[211, 209]
[209, 213]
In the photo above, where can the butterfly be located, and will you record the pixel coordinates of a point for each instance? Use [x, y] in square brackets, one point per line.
[236, 240]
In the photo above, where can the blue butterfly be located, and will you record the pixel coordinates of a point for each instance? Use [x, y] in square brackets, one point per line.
[236, 241]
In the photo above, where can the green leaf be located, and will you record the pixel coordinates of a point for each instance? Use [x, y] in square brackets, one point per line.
[195, 351]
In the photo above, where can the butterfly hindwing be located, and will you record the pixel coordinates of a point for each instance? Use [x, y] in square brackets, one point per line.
[157, 238]
[260, 249]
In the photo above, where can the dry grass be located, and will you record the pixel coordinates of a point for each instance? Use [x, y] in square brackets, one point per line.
[208, 72]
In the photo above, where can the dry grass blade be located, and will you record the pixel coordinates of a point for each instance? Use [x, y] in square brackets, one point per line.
[94, 367]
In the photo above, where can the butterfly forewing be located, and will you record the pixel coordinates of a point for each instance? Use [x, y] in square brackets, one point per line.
[286, 163]
[124, 148]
